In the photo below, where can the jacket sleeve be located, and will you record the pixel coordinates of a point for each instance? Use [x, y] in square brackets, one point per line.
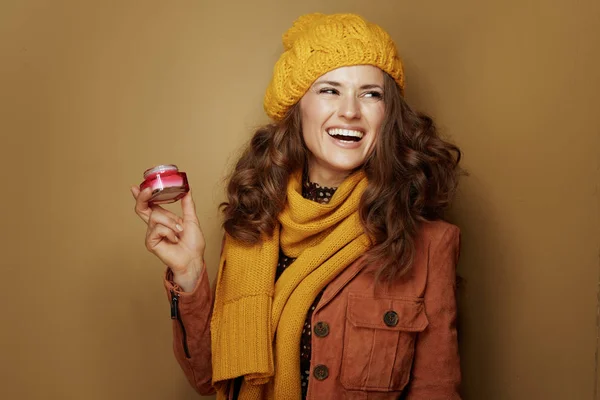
[191, 313]
[436, 370]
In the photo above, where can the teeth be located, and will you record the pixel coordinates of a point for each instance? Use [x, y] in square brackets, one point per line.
[345, 132]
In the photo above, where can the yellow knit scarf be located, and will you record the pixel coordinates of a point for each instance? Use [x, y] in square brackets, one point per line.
[250, 307]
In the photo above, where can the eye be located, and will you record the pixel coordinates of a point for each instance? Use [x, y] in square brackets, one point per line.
[373, 94]
[329, 91]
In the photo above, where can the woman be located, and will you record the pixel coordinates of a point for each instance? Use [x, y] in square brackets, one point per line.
[337, 275]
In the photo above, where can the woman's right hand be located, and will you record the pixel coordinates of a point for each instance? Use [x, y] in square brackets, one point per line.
[177, 241]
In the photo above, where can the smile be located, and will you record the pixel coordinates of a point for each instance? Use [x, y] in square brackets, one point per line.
[347, 135]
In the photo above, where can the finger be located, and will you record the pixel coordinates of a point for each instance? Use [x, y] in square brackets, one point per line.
[135, 191]
[188, 207]
[142, 207]
[158, 234]
[166, 218]
[157, 208]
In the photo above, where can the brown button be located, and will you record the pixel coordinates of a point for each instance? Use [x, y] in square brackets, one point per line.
[390, 318]
[321, 329]
[321, 372]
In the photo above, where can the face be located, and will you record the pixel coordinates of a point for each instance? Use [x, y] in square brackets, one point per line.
[342, 114]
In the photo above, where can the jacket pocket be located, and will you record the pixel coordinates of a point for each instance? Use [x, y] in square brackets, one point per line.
[379, 341]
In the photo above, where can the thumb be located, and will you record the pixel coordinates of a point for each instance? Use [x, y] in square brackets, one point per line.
[188, 208]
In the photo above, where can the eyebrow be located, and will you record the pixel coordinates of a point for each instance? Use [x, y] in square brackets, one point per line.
[337, 84]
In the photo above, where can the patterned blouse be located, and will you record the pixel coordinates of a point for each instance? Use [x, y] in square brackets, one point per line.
[314, 192]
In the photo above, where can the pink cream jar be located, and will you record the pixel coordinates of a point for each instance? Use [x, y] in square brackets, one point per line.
[167, 183]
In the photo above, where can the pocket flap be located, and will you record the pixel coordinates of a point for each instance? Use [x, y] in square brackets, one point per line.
[390, 313]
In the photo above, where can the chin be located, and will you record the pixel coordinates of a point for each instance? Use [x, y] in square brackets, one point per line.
[347, 168]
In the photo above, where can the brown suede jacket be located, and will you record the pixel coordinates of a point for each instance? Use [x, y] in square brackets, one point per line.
[395, 342]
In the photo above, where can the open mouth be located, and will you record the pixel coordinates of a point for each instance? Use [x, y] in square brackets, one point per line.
[346, 135]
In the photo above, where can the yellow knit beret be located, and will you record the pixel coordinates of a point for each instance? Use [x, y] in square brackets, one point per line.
[318, 43]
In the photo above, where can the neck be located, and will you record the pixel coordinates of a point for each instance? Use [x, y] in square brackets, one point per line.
[326, 177]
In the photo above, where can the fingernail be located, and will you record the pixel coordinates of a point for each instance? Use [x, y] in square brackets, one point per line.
[179, 228]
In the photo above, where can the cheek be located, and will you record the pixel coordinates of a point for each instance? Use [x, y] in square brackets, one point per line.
[314, 114]
[376, 117]
[308, 126]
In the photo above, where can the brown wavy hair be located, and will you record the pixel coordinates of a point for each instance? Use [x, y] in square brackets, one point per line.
[412, 177]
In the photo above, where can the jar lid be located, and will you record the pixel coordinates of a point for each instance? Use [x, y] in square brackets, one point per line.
[160, 169]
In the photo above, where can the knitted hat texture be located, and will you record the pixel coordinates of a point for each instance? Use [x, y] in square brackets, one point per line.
[318, 43]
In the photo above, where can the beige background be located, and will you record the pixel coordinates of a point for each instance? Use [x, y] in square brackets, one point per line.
[92, 93]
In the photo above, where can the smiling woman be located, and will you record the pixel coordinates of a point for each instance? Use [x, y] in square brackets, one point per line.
[341, 116]
[337, 273]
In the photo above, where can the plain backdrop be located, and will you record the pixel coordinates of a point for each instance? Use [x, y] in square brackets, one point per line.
[94, 92]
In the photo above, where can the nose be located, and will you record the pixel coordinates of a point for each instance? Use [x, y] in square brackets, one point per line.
[349, 108]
